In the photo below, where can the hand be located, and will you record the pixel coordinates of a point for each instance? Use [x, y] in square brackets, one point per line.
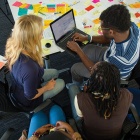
[73, 46]
[42, 130]
[50, 85]
[79, 37]
[63, 125]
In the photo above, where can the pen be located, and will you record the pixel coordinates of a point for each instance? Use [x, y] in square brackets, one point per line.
[88, 26]
[57, 13]
[41, 13]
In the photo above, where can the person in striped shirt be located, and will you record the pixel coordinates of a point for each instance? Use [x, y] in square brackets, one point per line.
[123, 51]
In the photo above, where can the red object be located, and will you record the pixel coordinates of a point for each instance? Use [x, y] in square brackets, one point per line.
[89, 8]
[87, 26]
[137, 15]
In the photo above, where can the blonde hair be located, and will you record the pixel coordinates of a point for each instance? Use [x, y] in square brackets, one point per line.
[26, 39]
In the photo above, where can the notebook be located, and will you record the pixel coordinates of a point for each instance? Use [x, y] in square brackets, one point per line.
[63, 28]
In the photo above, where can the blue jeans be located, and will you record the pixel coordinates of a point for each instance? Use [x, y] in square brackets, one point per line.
[40, 118]
[136, 98]
[73, 91]
[60, 84]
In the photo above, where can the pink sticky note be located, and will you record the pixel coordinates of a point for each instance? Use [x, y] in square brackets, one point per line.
[110, 0]
[17, 4]
[95, 1]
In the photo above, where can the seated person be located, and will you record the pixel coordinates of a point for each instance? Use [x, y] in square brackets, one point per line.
[32, 84]
[123, 37]
[41, 126]
[103, 105]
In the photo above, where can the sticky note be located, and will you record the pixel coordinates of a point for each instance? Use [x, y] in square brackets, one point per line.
[61, 8]
[95, 1]
[17, 4]
[44, 41]
[82, 12]
[36, 8]
[89, 8]
[30, 7]
[110, 0]
[135, 5]
[138, 24]
[137, 15]
[47, 23]
[46, 51]
[1, 64]
[25, 5]
[43, 9]
[22, 11]
[96, 21]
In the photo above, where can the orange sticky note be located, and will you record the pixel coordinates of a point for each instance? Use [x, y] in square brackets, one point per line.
[1, 64]
[96, 21]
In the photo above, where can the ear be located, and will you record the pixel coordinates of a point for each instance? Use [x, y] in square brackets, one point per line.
[111, 32]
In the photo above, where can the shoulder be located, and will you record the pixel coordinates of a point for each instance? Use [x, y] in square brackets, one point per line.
[125, 94]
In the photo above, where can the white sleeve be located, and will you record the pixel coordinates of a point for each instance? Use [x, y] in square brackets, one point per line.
[78, 111]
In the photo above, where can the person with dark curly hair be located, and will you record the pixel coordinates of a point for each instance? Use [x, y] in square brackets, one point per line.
[103, 105]
[123, 51]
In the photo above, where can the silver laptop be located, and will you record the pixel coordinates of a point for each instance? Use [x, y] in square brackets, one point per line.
[63, 28]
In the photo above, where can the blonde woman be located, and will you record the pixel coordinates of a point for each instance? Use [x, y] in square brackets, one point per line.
[24, 56]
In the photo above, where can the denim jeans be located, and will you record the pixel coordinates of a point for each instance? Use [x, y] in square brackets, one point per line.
[40, 118]
[73, 91]
[95, 54]
[48, 75]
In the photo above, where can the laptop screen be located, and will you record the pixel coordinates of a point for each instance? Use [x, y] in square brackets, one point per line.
[63, 25]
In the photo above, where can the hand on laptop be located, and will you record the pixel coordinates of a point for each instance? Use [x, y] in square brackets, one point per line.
[72, 45]
[79, 37]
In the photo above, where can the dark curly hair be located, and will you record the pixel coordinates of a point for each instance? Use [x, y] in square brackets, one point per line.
[104, 87]
[116, 17]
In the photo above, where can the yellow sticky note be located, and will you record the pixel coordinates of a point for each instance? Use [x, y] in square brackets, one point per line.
[61, 8]
[96, 21]
[138, 24]
[67, 6]
[36, 8]
[46, 51]
[44, 41]
[82, 12]
[43, 10]
[75, 13]
[47, 22]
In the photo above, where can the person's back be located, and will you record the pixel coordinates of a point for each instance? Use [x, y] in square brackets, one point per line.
[97, 127]
[103, 106]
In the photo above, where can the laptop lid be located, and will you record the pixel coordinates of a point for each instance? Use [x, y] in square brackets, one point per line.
[63, 25]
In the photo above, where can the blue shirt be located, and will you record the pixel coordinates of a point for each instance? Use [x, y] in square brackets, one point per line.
[27, 75]
[125, 54]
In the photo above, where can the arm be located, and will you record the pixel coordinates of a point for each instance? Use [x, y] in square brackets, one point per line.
[49, 86]
[75, 47]
[95, 39]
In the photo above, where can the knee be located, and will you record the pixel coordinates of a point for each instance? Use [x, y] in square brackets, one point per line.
[56, 73]
[73, 68]
[60, 83]
[56, 114]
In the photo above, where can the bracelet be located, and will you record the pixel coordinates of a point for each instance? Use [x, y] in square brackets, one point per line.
[89, 38]
[36, 134]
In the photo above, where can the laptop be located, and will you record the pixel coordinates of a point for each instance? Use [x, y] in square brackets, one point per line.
[63, 28]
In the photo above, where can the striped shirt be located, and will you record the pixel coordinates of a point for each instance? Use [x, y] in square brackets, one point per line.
[125, 54]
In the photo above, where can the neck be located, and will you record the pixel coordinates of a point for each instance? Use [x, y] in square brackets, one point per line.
[120, 37]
